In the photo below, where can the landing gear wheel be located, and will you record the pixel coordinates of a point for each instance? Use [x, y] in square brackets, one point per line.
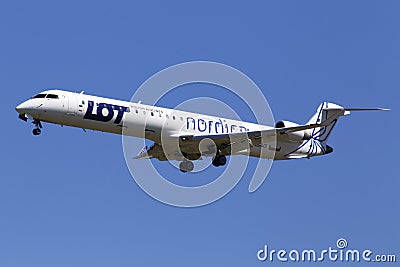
[215, 162]
[222, 160]
[38, 125]
[36, 131]
[186, 166]
[219, 160]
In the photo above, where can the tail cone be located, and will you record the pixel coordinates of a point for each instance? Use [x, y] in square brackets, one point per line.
[328, 150]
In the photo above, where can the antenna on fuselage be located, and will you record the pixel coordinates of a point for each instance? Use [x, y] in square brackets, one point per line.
[140, 101]
[81, 93]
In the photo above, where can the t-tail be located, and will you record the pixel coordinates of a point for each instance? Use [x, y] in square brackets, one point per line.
[328, 115]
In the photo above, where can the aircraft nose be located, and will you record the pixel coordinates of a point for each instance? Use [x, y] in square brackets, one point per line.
[21, 108]
[18, 108]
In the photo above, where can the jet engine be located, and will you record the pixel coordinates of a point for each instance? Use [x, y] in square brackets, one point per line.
[294, 136]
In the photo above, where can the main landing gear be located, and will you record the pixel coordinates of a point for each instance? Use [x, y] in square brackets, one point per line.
[219, 160]
[186, 166]
[38, 126]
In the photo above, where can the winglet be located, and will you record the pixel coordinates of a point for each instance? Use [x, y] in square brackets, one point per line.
[142, 154]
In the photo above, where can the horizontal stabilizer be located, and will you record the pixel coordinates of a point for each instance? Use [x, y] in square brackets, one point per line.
[366, 109]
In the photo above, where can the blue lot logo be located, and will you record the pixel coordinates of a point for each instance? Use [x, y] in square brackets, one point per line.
[100, 116]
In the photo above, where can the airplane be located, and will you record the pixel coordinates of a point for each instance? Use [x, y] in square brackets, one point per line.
[185, 130]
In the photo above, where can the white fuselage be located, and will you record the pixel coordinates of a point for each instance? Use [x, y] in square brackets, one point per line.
[143, 121]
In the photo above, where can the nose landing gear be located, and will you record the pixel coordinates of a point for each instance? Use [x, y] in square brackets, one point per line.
[36, 131]
[38, 126]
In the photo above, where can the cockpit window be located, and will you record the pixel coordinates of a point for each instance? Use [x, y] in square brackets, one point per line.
[52, 96]
[40, 96]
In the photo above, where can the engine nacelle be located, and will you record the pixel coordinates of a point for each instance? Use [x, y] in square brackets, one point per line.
[294, 136]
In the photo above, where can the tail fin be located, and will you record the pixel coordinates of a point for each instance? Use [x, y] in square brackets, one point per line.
[328, 115]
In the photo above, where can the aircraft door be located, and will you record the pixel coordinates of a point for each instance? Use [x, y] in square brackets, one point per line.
[72, 104]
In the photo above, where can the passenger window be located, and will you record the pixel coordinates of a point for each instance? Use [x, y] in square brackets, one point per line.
[181, 118]
[167, 116]
[137, 111]
[40, 96]
[173, 117]
[152, 114]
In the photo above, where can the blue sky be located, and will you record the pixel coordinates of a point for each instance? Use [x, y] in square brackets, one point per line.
[67, 198]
